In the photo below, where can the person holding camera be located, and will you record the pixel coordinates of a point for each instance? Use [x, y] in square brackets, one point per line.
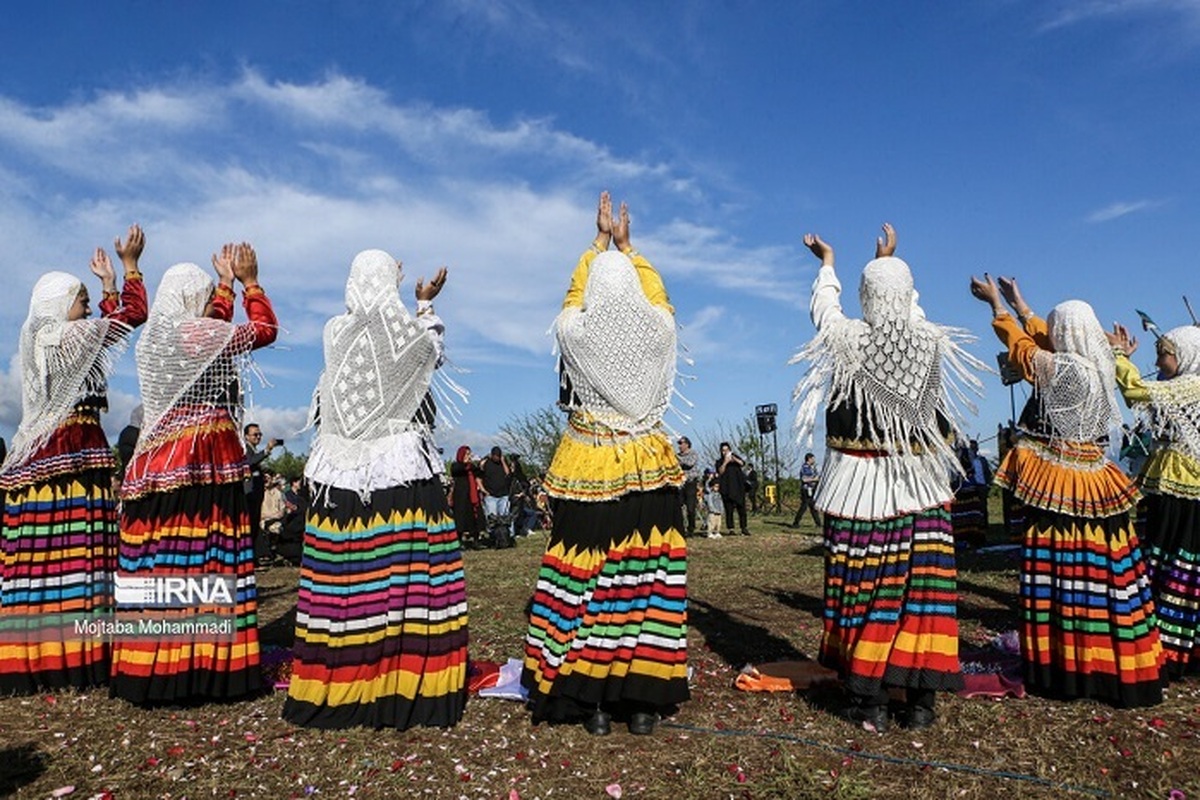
[256, 488]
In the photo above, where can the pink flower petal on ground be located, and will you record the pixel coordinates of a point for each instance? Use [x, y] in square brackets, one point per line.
[613, 790]
[63, 791]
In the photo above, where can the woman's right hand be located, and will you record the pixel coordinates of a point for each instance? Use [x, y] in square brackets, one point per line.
[1012, 295]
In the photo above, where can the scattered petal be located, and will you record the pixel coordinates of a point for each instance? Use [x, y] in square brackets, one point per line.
[63, 791]
[613, 790]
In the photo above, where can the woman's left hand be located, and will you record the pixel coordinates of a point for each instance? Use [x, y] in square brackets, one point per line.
[428, 291]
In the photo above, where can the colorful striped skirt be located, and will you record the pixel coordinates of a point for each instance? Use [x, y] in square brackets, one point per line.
[1087, 617]
[1172, 544]
[189, 532]
[381, 622]
[969, 514]
[891, 597]
[608, 618]
[57, 556]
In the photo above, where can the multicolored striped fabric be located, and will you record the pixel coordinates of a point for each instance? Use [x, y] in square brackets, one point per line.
[381, 623]
[1087, 618]
[1172, 544]
[891, 597]
[198, 528]
[57, 556]
[608, 619]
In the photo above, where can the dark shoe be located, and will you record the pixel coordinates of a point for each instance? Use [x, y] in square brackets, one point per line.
[745, 532]
[920, 718]
[598, 724]
[642, 724]
[870, 717]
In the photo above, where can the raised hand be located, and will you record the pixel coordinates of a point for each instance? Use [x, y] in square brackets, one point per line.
[1012, 295]
[885, 245]
[620, 230]
[604, 223]
[819, 248]
[131, 250]
[428, 291]
[102, 268]
[245, 265]
[987, 291]
[1120, 338]
[222, 262]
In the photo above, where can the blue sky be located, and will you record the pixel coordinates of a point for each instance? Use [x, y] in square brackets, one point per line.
[1053, 141]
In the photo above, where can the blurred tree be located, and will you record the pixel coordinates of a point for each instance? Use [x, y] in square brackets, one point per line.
[287, 464]
[534, 435]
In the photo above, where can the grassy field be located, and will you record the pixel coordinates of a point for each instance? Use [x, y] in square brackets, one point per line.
[752, 600]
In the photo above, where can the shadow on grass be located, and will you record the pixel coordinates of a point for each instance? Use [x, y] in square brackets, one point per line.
[736, 641]
[20, 765]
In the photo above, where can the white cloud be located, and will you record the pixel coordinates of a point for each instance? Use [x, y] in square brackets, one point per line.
[310, 173]
[1121, 209]
[1074, 12]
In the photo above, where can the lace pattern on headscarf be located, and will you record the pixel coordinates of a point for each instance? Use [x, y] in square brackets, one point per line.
[62, 362]
[897, 368]
[379, 367]
[1173, 411]
[1077, 381]
[618, 349]
[188, 364]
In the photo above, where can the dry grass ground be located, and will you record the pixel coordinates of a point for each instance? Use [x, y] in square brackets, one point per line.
[753, 600]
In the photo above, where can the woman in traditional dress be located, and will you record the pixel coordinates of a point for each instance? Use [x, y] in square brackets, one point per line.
[1170, 479]
[60, 517]
[608, 621]
[890, 385]
[469, 520]
[1087, 618]
[381, 622]
[184, 512]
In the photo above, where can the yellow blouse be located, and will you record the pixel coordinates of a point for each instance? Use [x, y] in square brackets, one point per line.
[1167, 470]
[652, 284]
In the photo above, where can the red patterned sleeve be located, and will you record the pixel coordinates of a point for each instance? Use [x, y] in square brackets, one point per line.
[262, 316]
[222, 304]
[129, 306]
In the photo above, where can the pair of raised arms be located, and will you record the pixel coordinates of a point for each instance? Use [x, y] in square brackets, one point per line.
[885, 245]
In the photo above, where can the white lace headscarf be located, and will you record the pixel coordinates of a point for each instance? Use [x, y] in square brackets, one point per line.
[379, 366]
[62, 362]
[1077, 381]
[187, 363]
[897, 368]
[1173, 411]
[618, 348]
[378, 360]
[1186, 340]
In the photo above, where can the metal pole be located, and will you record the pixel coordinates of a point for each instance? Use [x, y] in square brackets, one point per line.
[778, 485]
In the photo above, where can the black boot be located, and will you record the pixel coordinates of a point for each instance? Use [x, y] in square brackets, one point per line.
[868, 711]
[599, 723]
[920, 713]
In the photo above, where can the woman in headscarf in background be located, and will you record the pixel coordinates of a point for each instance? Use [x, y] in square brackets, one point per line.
[608, 621]
[890, 386]
[1087, 618]
[1170, 479]
[60, 518]
[468, 505]
[184, 511]
[381, 622]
